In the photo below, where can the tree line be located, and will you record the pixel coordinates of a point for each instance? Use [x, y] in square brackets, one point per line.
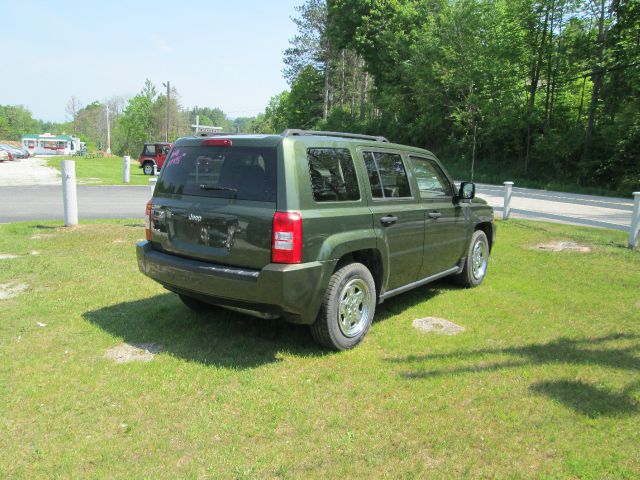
[544, 92]
[132, 121]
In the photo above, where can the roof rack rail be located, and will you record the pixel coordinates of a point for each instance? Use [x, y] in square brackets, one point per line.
[293, 132]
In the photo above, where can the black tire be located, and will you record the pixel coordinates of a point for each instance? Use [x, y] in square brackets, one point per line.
[196, 305]
[474, 269]
[347, 309]
[147, 168]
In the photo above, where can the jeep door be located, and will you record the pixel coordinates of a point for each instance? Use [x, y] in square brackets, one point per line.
[162, 151]
[398, 216]
[445, 224]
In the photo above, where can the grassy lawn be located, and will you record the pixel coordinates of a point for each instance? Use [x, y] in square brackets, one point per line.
[543, 383]
[101, 171]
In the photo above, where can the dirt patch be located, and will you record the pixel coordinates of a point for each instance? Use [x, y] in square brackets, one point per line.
[29, 171]
[437, 325]
[119, 240]
[7, 256]
[41, 236]
[12, 289]
[562, 246]
[133, 352]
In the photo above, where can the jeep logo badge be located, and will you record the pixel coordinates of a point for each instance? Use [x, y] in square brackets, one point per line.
[195, 218]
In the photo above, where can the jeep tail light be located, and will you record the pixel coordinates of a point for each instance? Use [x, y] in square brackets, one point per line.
[216, 142]
[147, 221]
[286, 246]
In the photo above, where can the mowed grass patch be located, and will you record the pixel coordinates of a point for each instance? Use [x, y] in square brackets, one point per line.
[102, 171]
[543, 383]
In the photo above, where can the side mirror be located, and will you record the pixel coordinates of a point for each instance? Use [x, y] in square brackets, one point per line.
[467, 191]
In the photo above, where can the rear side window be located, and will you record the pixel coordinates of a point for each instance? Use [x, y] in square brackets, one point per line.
[227, 172]
[333, 175]
[387, 175]
[149, 150]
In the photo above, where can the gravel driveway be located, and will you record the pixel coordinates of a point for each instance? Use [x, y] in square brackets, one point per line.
[28, 171]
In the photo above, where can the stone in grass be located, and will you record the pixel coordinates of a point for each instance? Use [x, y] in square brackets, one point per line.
[10, 290]
[562, 246]
[437, 325]
[133, 352]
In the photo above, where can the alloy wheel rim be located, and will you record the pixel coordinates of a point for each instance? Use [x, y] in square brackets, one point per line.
[353, 309]
[479, 259]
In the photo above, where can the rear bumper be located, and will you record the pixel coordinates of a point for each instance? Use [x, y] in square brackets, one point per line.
[292, 291]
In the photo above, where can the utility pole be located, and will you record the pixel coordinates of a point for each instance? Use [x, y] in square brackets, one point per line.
[108, 133]
[168, 85]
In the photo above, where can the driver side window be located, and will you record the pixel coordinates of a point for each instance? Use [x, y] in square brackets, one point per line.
[432, 183]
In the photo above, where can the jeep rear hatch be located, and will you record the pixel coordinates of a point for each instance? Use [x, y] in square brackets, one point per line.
[215, 202]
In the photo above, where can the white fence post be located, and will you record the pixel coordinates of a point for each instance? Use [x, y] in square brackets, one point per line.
[635, 221]
[508, 189]
[126, 168]
[152, 184]
[155, 170]
[69, 193]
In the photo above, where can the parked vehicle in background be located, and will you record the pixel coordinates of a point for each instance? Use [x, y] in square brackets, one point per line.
[4, 155]
[13, 154]
[316, 227]
[153, 154]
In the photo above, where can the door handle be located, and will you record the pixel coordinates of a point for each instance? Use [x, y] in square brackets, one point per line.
[388, 220]
[434, 214]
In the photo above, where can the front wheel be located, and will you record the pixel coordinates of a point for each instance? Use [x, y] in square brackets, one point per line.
[147, 168]
[476, 261]
[347, 309]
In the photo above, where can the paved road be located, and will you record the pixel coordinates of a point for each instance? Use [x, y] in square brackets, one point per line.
[572, 208]
[45, 202]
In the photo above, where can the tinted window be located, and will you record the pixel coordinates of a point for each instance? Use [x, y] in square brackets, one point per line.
[374, 176]
[229, 172]
[432, 183]
[333, 175]
[391, 180]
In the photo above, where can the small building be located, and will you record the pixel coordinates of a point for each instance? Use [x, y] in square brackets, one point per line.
[48, 144]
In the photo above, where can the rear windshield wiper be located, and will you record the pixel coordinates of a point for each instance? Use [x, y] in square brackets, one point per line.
[204, 186]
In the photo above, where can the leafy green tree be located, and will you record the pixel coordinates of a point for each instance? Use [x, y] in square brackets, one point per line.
[136, 125]
[15, 121]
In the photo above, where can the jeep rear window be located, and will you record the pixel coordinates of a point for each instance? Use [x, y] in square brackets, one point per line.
[333, 175]
[229, 172]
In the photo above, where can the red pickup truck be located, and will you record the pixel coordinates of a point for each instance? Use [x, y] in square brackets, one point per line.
[153, 154]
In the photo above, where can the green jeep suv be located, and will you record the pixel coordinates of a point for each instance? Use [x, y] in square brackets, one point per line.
[315, 227]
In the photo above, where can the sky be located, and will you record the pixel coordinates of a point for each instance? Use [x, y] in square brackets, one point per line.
[225, 54]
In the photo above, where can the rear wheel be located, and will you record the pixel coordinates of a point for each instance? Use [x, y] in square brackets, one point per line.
[476, 261]
[195, 304]
[147, 168]
[348, 308]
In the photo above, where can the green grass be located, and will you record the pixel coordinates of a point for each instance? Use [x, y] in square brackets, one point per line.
[543, 383]
[101, 171]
